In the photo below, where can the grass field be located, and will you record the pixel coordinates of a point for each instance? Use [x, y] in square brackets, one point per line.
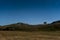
[19, 35]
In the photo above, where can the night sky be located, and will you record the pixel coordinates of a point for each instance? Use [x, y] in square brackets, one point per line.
[29, 11]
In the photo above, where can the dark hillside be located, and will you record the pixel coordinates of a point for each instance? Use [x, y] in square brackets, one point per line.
[54, 26]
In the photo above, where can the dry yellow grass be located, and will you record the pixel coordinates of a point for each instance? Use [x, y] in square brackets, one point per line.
[19, 35]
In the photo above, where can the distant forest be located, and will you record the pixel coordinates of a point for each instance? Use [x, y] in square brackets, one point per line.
[54, 26]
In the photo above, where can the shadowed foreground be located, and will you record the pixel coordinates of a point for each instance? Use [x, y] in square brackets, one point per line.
[19, 35]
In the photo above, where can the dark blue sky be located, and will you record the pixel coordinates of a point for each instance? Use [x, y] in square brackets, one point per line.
[29, 11]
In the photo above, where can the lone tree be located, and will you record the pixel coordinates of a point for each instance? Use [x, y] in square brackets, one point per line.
[45, 22]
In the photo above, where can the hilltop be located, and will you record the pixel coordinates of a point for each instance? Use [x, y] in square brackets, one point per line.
[54, 26]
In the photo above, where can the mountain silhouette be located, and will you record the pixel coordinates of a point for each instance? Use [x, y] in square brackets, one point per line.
[54, 26]
[56, 22]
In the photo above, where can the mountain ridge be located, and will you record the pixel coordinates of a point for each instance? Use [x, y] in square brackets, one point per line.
[54, 26]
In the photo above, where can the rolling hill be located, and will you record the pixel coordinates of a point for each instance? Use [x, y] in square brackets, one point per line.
[54, 26]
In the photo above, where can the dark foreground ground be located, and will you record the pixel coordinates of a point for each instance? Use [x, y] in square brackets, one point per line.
[19, 35]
